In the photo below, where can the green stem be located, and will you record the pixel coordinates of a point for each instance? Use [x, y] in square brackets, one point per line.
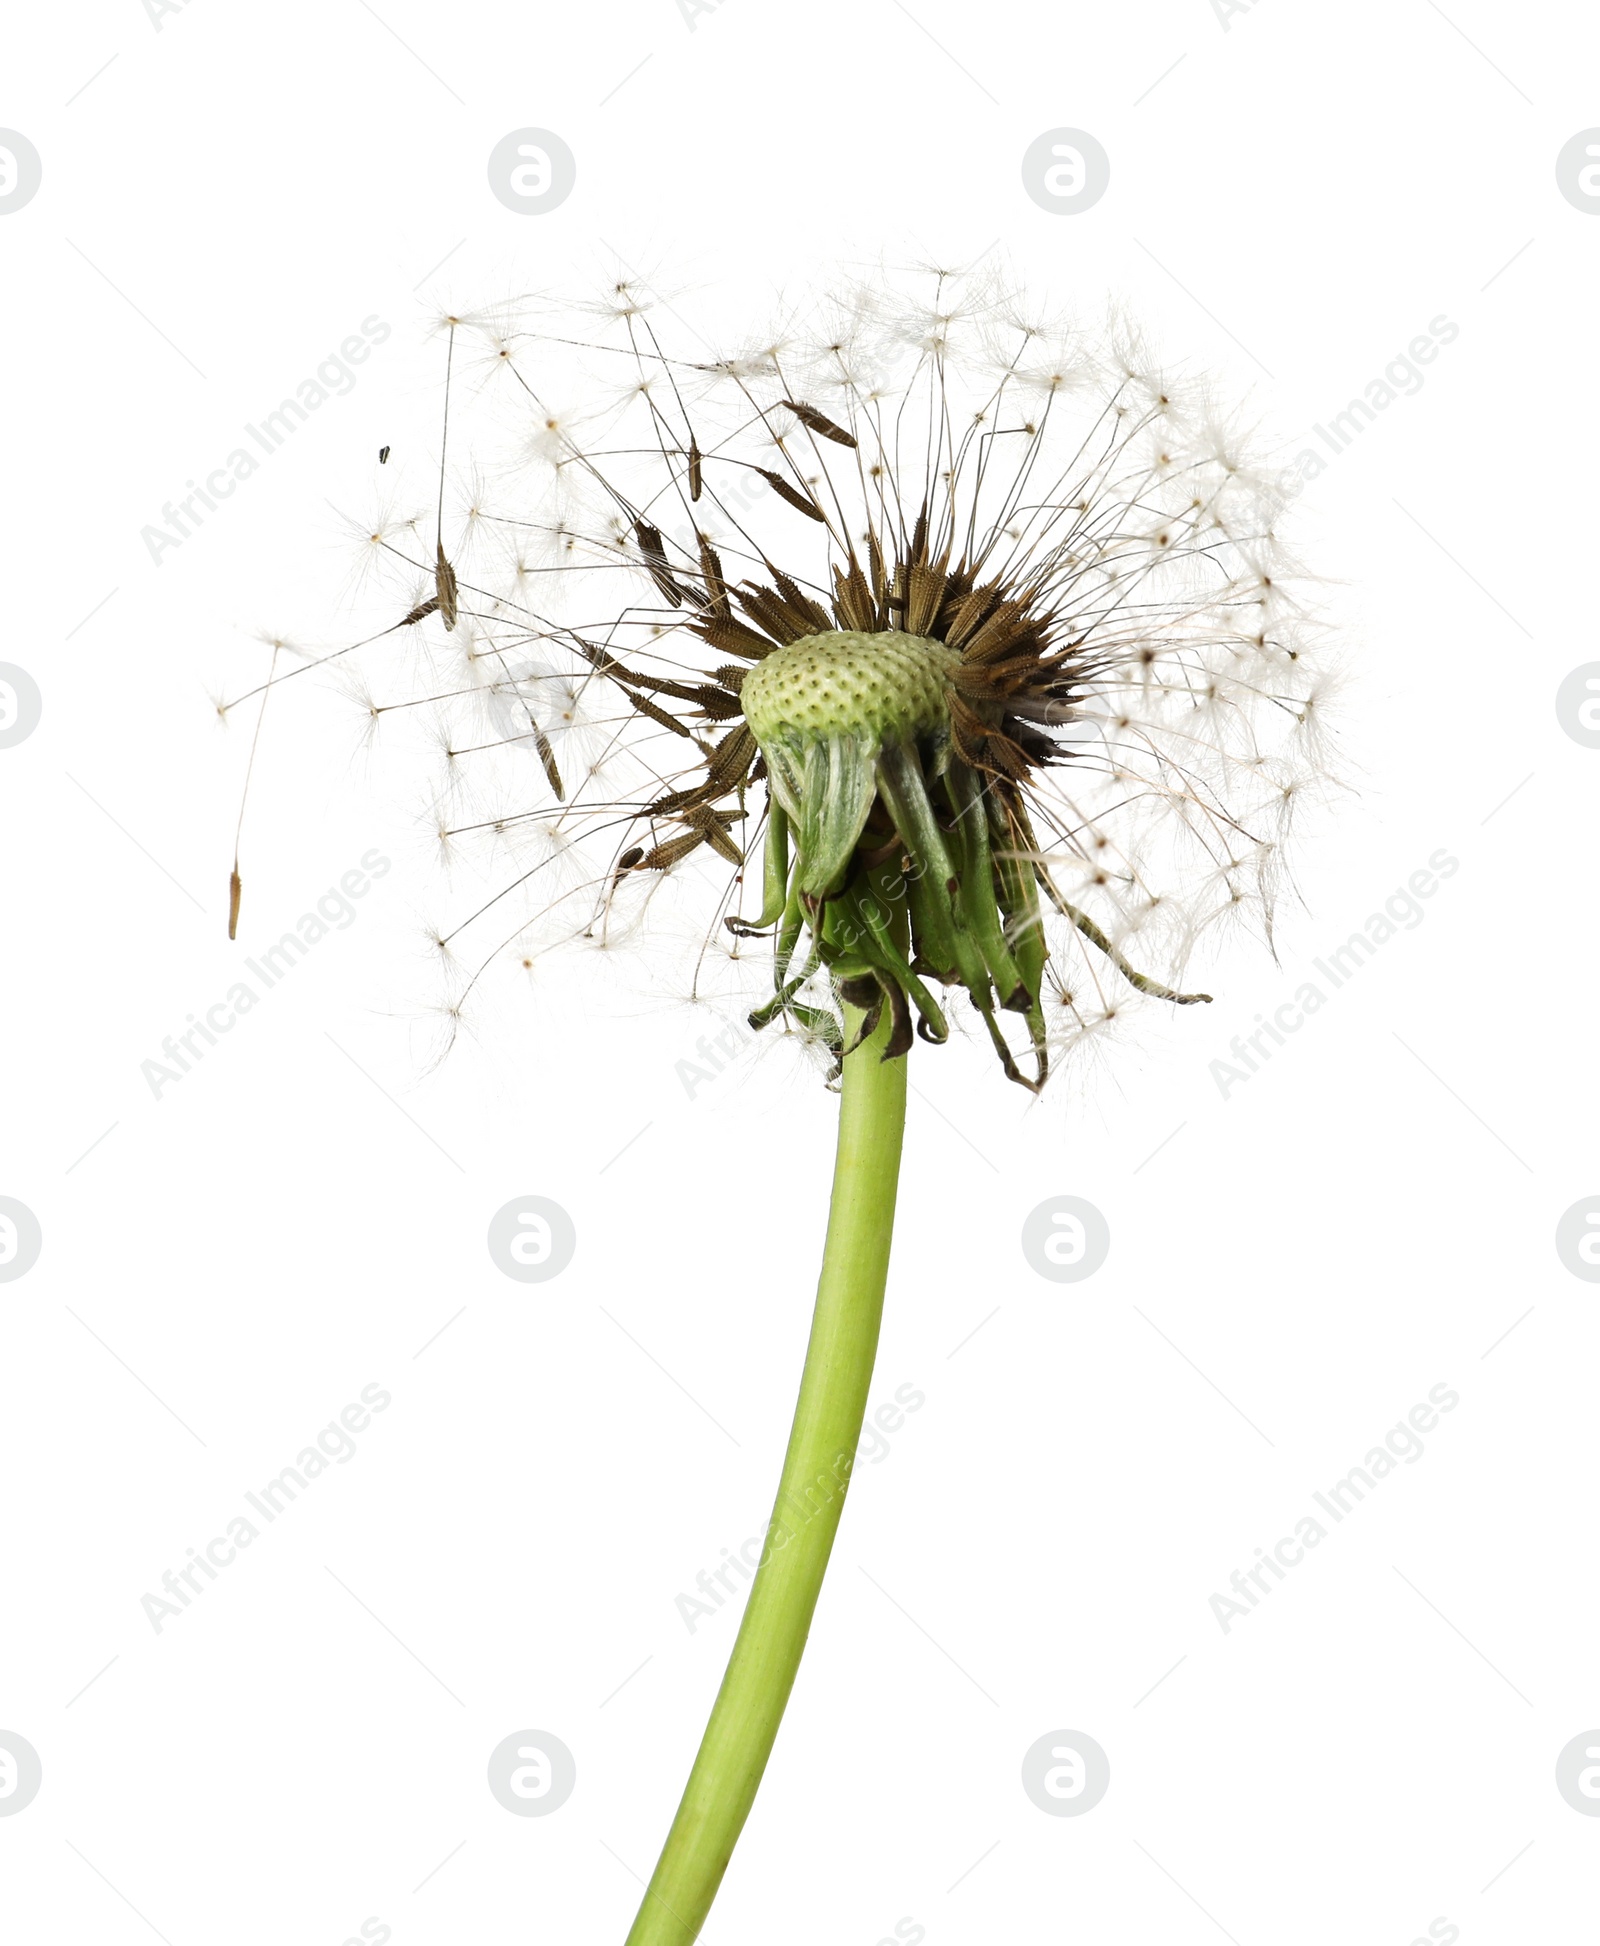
[811, 1495]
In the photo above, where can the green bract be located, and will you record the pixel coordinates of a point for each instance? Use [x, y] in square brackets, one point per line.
[897, 856]
[823, 709]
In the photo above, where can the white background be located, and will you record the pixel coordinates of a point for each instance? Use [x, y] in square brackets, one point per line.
[1294, 197]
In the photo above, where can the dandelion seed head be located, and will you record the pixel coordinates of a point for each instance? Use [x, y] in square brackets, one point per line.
[1129, 654]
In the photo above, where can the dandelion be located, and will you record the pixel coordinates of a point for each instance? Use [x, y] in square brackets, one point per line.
[928, 650]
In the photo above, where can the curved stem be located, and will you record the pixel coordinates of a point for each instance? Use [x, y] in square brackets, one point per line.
[811, 1494]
